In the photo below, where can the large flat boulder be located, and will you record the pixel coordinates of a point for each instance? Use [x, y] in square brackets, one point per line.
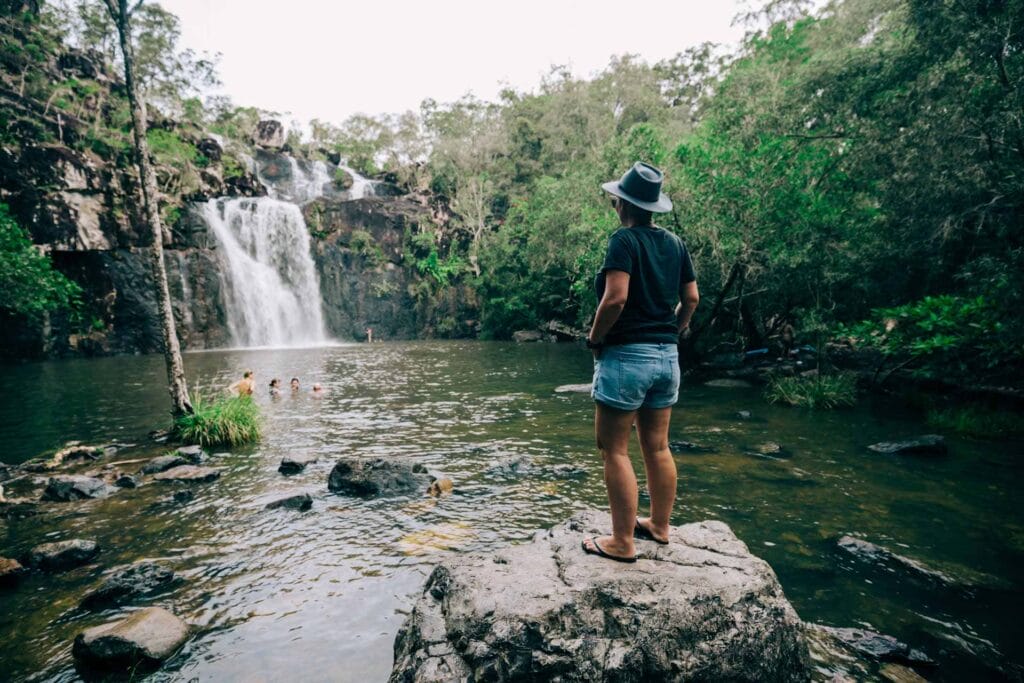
[61, 555]
[700, 608]
[377, 477]
[68, 487]
[145, 638]
[194, 473]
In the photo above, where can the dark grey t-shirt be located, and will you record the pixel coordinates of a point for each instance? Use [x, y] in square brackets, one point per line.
[659, 265]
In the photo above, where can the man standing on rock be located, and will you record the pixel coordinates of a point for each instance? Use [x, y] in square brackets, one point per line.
[648, 292]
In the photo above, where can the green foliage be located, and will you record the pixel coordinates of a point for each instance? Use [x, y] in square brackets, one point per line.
[232, 421]
[169, 149]
[232, 167]
[978, 421]
[815, 391]
[29, 285]
[362, 243]
[945, 334]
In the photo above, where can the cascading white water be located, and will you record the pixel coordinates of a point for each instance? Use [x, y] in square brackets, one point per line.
[361, 186]
[272, 292]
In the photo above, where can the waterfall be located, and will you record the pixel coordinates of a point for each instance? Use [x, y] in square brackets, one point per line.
[361, 186]
[271, 287]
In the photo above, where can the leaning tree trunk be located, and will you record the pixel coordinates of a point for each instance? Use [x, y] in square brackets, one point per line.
[147, 180]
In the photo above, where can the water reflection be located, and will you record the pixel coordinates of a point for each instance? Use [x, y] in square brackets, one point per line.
[320, 595]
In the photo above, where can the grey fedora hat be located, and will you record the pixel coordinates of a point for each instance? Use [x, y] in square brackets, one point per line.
[641, 185]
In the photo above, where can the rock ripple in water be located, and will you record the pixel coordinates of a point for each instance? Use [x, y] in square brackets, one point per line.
[700, 608]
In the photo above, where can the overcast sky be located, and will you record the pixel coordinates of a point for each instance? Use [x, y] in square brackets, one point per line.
[329, 60]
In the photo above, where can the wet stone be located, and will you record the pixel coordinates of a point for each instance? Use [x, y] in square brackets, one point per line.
[62, 555]
[193, 473]
[128, 583]
[192, 454]
[376, 477]
[440, 486]
[877, 646]
[67, 487]
[300, 501]
[128, 481]
[929, 444]
[163, 463]
[293, 464]
[145, 638]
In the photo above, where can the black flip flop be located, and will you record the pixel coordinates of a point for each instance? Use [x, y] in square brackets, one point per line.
[601, 553]
[640, 531]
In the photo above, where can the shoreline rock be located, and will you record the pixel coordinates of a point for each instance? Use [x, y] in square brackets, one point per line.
[701, 608]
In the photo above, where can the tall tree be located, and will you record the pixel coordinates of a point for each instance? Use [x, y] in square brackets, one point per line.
[121, 16]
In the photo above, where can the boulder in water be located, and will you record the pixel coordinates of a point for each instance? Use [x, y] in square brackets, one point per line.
[145, 638]
[193, 454]
[877, 646]
[129, 582]
[511, 467]
[193, 473]
[10, 570]
[962, 578]
[440, 486]
[299, 501]
[163, 463]
[700, 608]
[69, 487]
[293, 464]
[376, 477]
[128, 481]
[61, 555]
[929, 444]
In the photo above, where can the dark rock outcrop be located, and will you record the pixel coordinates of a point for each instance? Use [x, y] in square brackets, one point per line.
[299, 501]
[145, 638]
[127, 583]
[192, 473]
[269, 134]
[61, 555]
[68, 487]
[293, 464]
[702, 608]
[377, 477]
[929, 444]
[128, 481]
[162, 463]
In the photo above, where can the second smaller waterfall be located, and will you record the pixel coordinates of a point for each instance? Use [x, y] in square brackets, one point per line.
[271, 287]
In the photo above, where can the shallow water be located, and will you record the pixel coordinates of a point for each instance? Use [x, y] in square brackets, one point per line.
[282, 595]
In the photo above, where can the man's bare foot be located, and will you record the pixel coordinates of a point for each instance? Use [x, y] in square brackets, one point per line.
[656, 534]
[608, 546]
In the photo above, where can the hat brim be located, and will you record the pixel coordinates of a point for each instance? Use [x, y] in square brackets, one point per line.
[663, 205]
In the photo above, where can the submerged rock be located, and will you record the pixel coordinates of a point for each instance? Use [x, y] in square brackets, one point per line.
[10, 570]
[68, 487]
[877, 646]
[961, 578]
[511, 467]
[192, 473]
[300, 501]
[127, 583]
[376, 477]
[929, 444]
[62, 555]
[701, 608]
[163, 463]
[145, 638]
[193, 454]
[293, 464]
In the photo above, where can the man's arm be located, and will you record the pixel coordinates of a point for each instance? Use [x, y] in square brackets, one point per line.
[689, 297]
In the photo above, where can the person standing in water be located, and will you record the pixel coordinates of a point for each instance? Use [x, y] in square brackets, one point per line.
[648, 293]
[244, 386]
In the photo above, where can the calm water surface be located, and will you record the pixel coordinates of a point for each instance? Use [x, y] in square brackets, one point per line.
[318, 596]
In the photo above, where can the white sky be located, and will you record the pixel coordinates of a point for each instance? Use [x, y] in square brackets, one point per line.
[328, 60]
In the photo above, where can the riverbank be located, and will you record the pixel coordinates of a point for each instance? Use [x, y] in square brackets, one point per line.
[263, 586]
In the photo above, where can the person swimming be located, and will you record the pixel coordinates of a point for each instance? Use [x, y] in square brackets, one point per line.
[318, 390]
[295, 385]
[244, 386]
[275, 387]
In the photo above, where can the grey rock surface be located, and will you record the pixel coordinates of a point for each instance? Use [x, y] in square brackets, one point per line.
[299, 501]
[874, 645]
[127, 583]
[193, 473]
[145, 637]
[701, 608]
[68, 487]
[163, 463]
[193, 454]
[293, 464]
[62, 554]
[929, 444]
[377, 477]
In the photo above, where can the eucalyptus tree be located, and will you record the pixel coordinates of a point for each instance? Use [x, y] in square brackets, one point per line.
[121, 15]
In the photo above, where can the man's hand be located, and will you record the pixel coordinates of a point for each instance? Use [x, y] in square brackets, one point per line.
[685, 333]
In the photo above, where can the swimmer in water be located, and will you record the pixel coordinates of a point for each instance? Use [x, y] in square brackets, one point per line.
[244, 386]
[295, 385]
[275, 387]
[318, 390]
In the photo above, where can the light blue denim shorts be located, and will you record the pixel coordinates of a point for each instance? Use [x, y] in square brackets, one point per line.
[631, 376]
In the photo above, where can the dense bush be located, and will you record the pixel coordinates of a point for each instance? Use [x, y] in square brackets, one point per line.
[230, 421]
[29, 285]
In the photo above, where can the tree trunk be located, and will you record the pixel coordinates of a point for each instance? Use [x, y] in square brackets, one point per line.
[147, 181]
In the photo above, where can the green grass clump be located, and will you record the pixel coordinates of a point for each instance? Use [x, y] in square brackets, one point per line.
[978, 421]
[817, 391]
[222, 422]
